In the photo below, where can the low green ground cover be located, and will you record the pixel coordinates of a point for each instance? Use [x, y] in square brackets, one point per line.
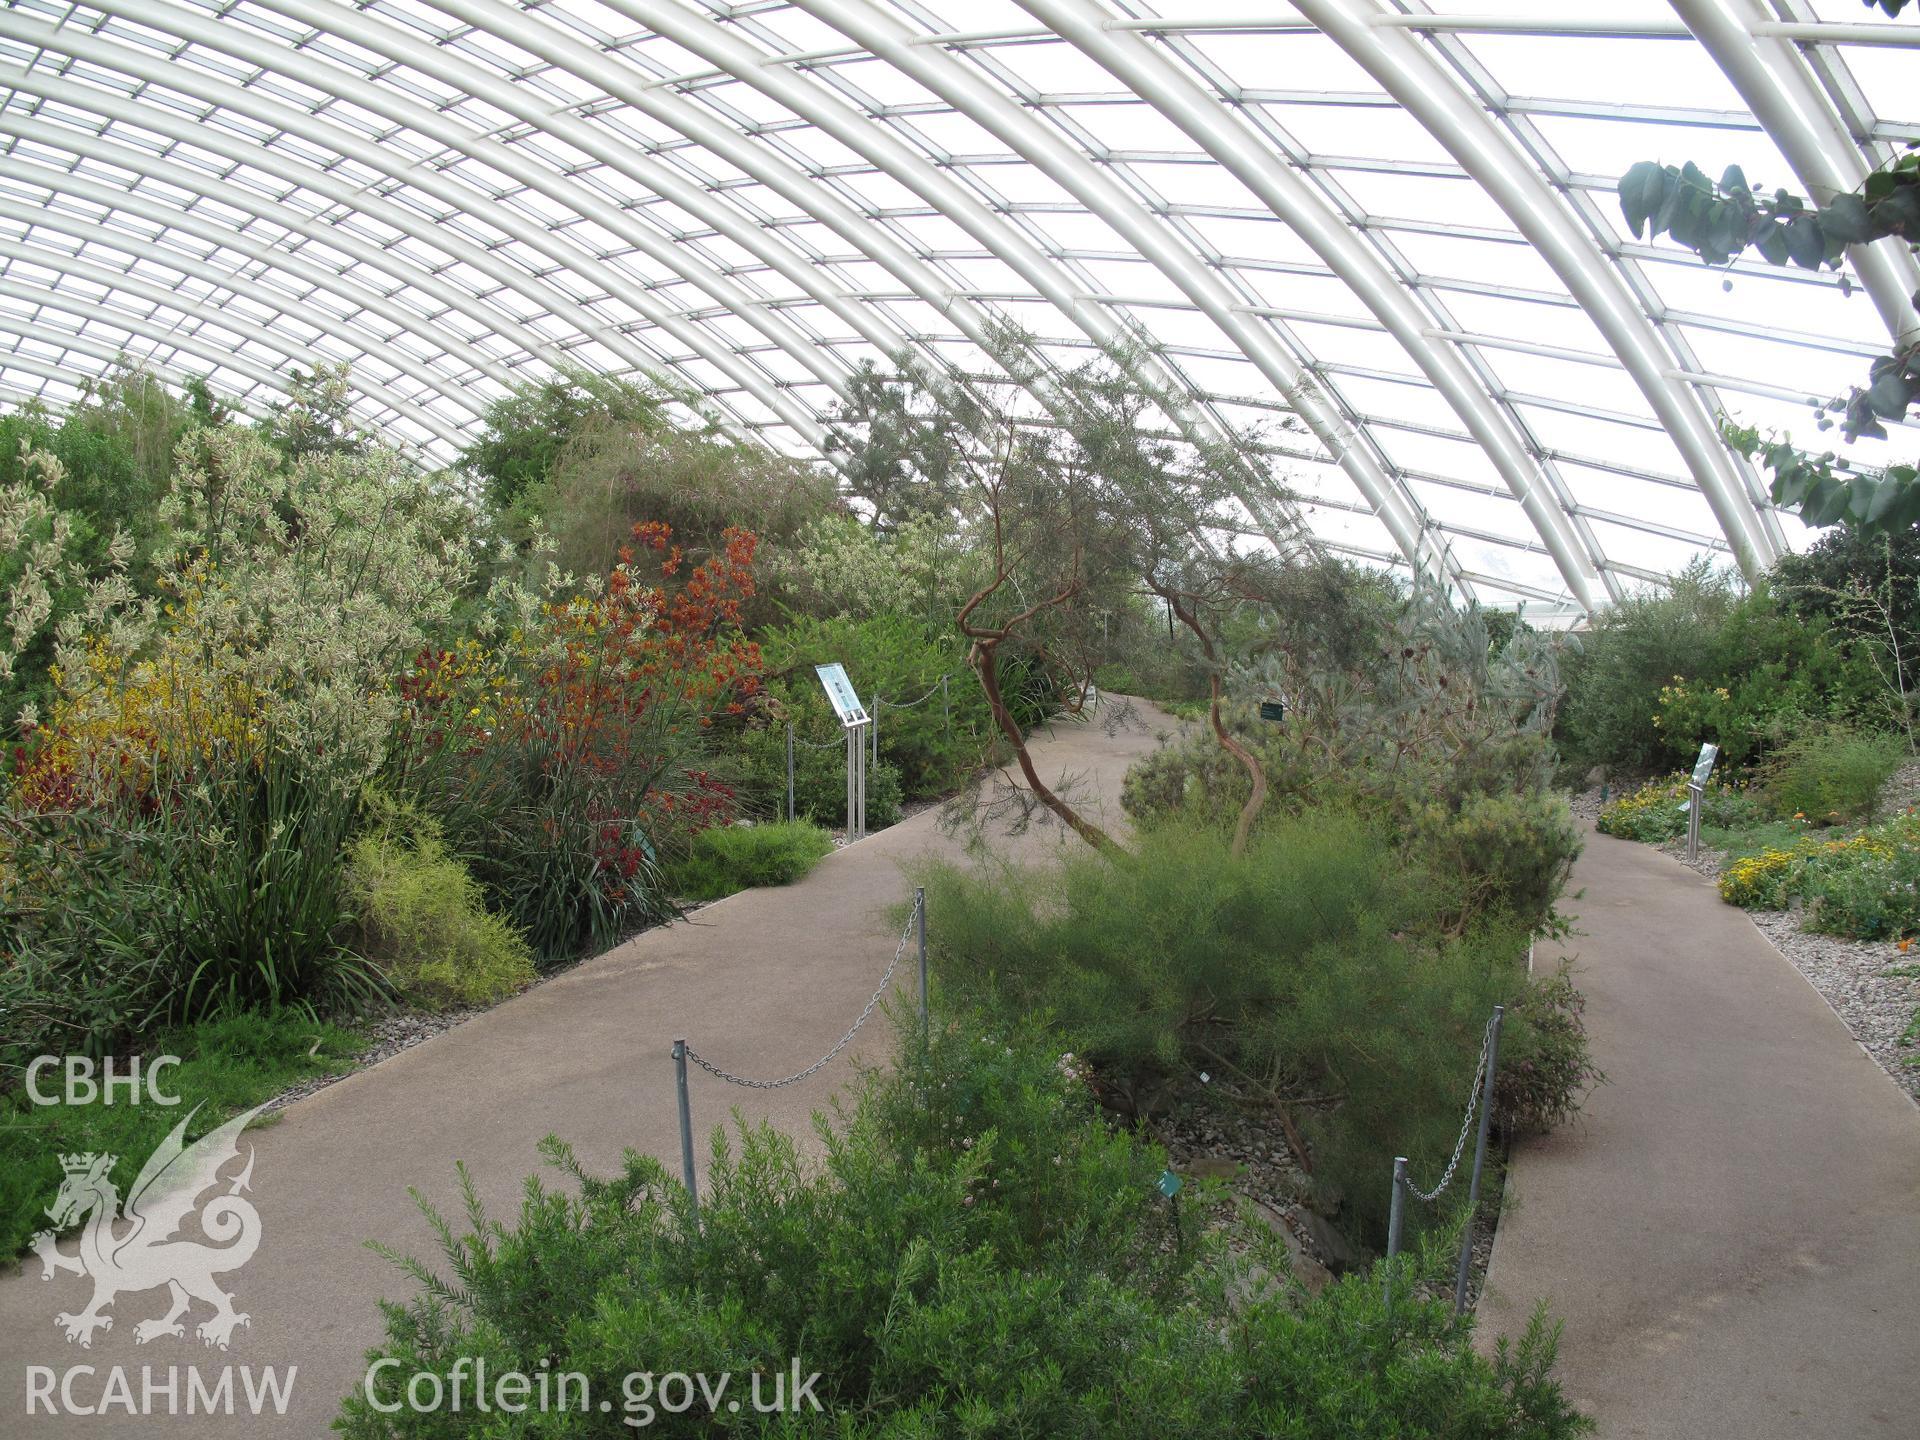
[226, 1066]
[740, 857]
[1863, 884]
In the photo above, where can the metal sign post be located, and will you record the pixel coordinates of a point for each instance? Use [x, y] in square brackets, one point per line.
[856, 721]
[1696, 793]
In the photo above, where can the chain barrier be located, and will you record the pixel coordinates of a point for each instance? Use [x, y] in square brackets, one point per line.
[838, 744]
[909, 704]
[707, 1065]
[1466, 1126]
[1480, 1103]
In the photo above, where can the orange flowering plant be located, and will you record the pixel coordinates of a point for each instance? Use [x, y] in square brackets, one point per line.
[565, 759]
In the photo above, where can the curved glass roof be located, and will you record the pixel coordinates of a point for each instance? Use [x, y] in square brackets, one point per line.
[1387, 226]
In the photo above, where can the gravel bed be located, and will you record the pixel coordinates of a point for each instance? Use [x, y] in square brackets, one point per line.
[1853, 977]
[387, 1036]
[1902, 790]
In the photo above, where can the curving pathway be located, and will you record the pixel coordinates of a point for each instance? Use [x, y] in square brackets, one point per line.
[1732, 1232]
[763, 982]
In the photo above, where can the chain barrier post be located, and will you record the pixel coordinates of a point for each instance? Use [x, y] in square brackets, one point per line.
[920, 930]
[1395, 1214]
[789, 772]
[686, 1127]
[727, 1077]
[1479, 1160]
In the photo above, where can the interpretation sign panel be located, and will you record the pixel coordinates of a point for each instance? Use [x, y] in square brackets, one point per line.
[840, 693]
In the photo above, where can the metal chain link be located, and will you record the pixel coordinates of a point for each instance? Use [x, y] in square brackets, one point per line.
[1466, 1125]
[844, 1041]
[828, 745]
[909, 704]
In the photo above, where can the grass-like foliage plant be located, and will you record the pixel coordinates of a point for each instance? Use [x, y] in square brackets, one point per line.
[976, 1253]
[728, 858]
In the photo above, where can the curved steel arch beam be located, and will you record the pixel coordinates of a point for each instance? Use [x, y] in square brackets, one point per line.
[85, 344]
[1048, 150]
[193, 344]
[364, 300]
[645, 237]
[459, 196]
[1131, 59]
[1773, 77]
[1394, 57]
[519, 28]
[171, 19]
[139, 162]
[120, 281]
[768, 73]
[805, 192]
[12, 360]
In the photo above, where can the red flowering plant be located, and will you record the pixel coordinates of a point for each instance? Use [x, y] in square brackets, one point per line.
[566, 760]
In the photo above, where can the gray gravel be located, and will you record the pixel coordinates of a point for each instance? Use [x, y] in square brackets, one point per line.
[386, 1037]
[1857, 979]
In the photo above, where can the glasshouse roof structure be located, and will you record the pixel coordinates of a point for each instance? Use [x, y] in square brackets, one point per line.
[1392, 224]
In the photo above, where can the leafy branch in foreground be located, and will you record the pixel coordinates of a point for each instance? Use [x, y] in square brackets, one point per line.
[1719, 221]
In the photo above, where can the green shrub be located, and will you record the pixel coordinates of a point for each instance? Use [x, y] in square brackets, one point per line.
[1829, 774]
[977, 1254]
[226, 1066]
[1659, 674]
[894, 662]
[1657, 811]
[1501, 852]
[1417, 725]
[739, 857]
[420, 915]
[1545, 1065]
[1310, 964]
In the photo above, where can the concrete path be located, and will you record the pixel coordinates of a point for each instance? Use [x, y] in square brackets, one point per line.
[1732, 1233]
[763, 982]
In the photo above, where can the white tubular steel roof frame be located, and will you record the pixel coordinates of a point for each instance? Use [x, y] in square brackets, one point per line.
[1388, 224]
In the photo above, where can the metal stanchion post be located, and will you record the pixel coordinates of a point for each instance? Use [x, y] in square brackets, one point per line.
[686, 1127]
[789, 772]
[1479, 1160]
[1394, 1217]
[920, 930]
[853, 811]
